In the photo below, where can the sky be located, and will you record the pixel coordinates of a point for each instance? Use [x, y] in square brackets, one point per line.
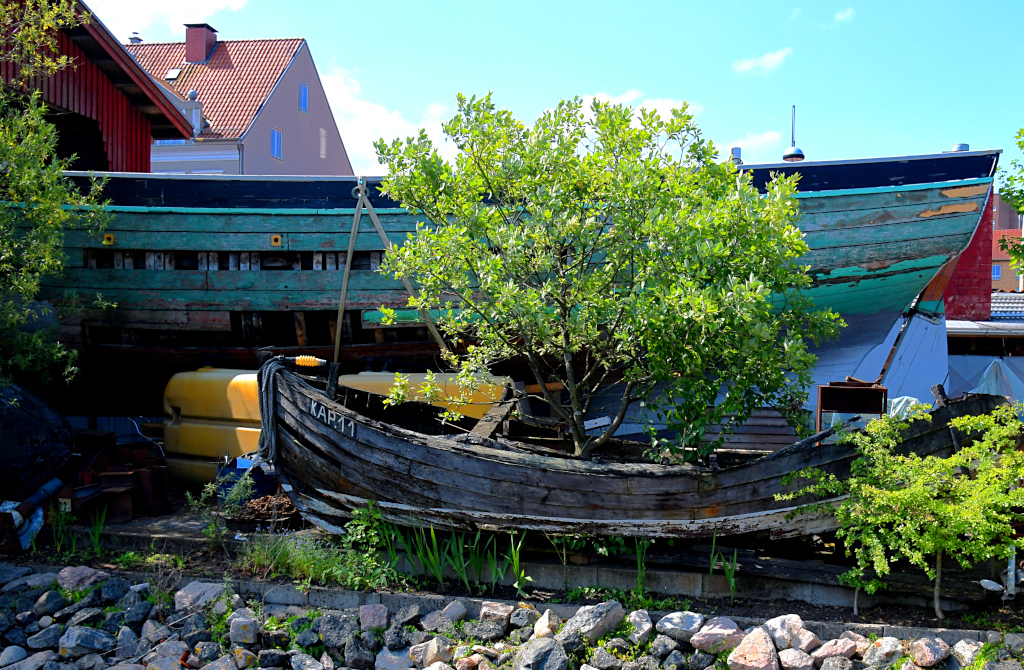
[878, 78]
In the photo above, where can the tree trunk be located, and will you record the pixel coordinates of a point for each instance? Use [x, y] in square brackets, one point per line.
[938, 586]
[856, 593]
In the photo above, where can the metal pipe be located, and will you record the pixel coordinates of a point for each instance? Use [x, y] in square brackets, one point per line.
[45, 492]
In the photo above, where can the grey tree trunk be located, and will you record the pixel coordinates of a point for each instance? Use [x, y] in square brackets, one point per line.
[938, 586]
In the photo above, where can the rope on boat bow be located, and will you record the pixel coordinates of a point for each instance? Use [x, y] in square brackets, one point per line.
[266, 381]
[266, 384]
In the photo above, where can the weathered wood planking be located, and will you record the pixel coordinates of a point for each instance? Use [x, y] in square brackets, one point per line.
[152, 319]
[876, 245]
[333, 461]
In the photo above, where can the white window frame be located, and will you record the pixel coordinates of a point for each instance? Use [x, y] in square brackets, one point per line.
[277, 134]
[304, 87]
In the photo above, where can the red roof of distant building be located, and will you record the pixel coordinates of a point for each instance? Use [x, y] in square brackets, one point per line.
[997, 253]
[233, 83]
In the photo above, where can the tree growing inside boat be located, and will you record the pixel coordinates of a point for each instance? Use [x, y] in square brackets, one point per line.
[608, 252]
[38, 202]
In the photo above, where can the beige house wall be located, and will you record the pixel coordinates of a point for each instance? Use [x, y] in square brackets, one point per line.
[301, 145]
[196, 157]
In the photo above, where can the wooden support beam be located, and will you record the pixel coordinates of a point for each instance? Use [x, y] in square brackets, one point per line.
[491, 421]
[300, 329]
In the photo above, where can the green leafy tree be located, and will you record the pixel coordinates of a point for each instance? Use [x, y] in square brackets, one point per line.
[1011, 190]
[608, 245]
[36, 202]
[899, 505]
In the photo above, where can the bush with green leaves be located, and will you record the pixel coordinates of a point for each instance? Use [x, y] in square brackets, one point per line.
[609, 245]
[213, 507]
[897, 505]
[37, 203]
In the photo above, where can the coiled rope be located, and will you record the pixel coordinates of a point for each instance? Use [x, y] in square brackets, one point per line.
[266, 381]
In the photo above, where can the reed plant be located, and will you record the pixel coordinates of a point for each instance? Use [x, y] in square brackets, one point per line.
[429, 554]
[497, 568]
[457, 557]
[96, 529]
[514, 556]
[478, 556]
[62, 536]
[642, 545]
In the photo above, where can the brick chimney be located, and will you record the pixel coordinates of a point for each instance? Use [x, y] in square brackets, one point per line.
[200, 40]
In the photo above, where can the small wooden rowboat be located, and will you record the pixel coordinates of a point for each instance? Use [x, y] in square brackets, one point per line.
[333, 457]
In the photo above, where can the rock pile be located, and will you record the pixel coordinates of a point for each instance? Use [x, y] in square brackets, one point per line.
[84, 619]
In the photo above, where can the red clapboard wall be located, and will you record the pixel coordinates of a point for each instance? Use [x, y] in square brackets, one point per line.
[85, 90]
[968, 295]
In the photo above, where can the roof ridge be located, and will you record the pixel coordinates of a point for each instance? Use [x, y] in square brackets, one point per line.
[235, 81]
[260, 39]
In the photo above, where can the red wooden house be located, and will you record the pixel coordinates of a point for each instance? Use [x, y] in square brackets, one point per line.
[107, 110]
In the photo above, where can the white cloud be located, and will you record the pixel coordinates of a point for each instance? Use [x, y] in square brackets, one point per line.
[362, 122]
[757, 147]
[763, 64]
[633, 97]
[845, 15]
[123, 17]
[795, 13]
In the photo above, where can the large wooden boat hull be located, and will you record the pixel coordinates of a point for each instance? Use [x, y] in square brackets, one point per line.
[332, 459]
[207, 269]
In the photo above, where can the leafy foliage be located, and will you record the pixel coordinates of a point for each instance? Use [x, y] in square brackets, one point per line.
[353, 563]
[37, 204]
[213, 507]
[608, 245]
[1011, 190]
[900, 505]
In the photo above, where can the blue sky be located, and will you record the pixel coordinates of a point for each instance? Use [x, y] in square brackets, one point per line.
[868, 78]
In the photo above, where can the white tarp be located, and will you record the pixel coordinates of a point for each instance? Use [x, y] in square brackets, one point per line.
[998, 379]
[969, 373]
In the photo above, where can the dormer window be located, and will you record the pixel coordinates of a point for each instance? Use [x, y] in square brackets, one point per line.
[304, 98]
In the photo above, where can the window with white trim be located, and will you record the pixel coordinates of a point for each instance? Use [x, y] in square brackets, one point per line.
[304, 98]
[276, 143]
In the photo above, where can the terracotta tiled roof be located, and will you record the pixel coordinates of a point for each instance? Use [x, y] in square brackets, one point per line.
[997, 253]
[232, 84]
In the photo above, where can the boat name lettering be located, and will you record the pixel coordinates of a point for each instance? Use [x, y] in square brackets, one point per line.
[336, 421]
